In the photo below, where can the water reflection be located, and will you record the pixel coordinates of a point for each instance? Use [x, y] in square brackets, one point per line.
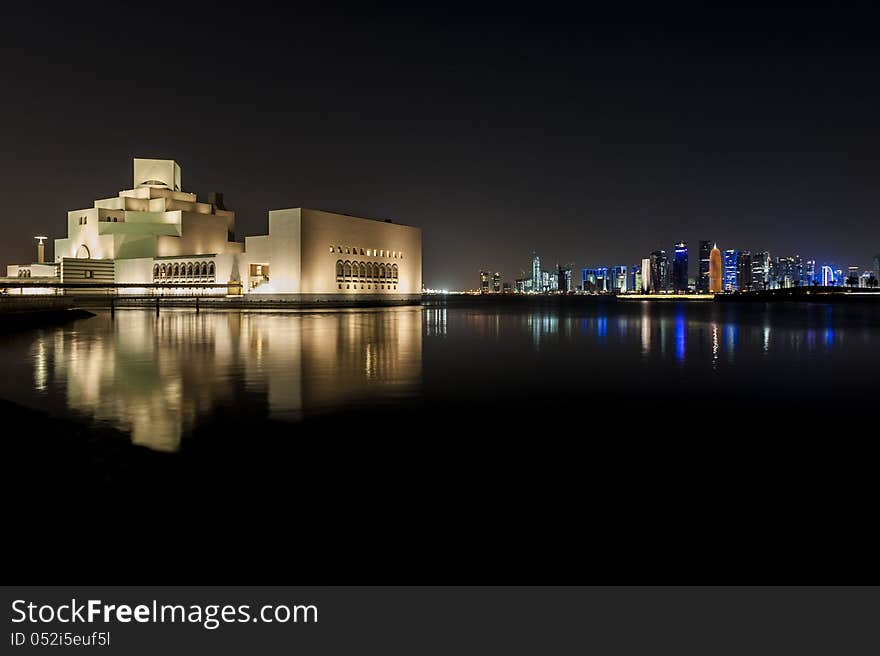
[156, 377]
[159, 377]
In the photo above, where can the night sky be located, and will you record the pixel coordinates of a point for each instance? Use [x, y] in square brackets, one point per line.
[591, 137]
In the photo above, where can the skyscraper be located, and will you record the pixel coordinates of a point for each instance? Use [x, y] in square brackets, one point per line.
[496, 282]
[744, 271]
[635, 278]
[716, 270]
[731, 260]
[484, 282]
[703, 274]
[646, 275]
[659, 272]
[618, 279]
[680, 268]
[537, 279]
[760, 270]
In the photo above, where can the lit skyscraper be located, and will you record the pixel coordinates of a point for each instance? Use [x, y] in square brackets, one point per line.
[603, 282]
[731, 261]
[646, 275]
[537, 278]
[760, 270]
[744, 271]
[588, 278]
[635, 278]
[484, 282]
[703, 274]
[496, 282]
[680, 267]
[659, 272]
[716, 271]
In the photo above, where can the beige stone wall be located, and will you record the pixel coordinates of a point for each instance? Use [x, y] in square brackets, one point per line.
[375, 242]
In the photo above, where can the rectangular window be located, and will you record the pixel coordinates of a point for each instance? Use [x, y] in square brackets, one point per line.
[88, 274]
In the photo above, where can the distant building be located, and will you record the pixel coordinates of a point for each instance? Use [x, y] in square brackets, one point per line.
[588, 280]
[731, 262]
[565, 283]
[760, 270]
[744, 271]
[703, 274]
[484, 282]
[716, 271]
[659, 272]
[827, 276]
[852, 276]
[646, 275]
[680, 267]
[635, 278]
[603, 279]
[496, 282]
[618, 279]
[505, 288]
[537, 278]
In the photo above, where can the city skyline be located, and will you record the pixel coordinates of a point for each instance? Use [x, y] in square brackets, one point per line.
[586, 135]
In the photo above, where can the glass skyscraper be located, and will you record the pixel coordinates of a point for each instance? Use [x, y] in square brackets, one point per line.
[659, 272]
[537, 278]
[680, 267]
[703, 274]
[731, 264]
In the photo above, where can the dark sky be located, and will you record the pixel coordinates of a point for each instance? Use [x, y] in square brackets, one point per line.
[589, 136]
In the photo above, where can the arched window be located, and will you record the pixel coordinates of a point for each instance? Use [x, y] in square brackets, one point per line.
[210, 268]
[176, 270]
[394, 271]
[338, 268]
[381, 271]
[369, 270]
[346, 269]
[363, 270]
[204, 268]
[155, 270]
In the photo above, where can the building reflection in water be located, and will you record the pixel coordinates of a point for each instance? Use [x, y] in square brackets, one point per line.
[157, 377]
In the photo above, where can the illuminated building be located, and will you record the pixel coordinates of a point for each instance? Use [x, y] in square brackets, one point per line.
[703, 274]
[588, 280]
[744, 271]
[716, 270]
[618, 279]
[731, 260]
[635, 278]
[760, 270]
[537, 278]
[646, 275]
[496, 282]
[827, 276]
[659, 272]
[680, 267]
[484, 282]
[158, 233]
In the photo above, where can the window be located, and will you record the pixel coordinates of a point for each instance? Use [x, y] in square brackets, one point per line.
[363, 270]
[362, 251]
[155, 270]
[381, 272]
[394, 271]
[88, 274]
[176, 270]
[347, 251]
[210, 268]
[332, 250]
[204, 268]
[339, 269]
[346, 269]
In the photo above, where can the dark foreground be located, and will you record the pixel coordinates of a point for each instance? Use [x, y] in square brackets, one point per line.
[454, 497]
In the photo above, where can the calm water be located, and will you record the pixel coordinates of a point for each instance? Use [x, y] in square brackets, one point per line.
[159, 378]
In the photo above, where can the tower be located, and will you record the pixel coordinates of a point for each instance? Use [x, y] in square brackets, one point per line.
[41, 249]
[716, 269]
[680, 268]
[703, 274]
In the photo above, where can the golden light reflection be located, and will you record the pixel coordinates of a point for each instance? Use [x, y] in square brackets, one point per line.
[157, 377]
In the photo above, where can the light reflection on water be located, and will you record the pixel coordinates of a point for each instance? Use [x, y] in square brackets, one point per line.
[158, 377]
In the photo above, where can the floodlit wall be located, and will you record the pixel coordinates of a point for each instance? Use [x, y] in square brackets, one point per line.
[387, 243]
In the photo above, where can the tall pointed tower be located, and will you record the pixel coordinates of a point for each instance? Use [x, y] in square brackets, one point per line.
[716, 270]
